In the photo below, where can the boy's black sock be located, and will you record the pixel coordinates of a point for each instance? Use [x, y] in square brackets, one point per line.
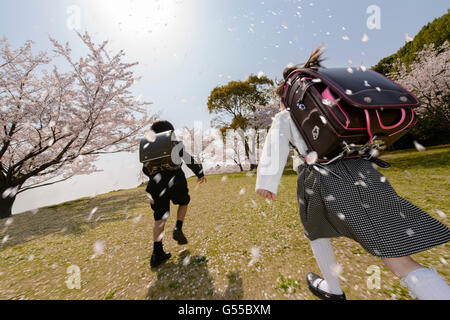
[179, 225]
[158, 247]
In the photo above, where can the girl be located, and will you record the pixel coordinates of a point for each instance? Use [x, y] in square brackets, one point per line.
[362, 206]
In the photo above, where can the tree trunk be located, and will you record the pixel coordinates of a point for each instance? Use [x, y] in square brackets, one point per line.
[6, 205]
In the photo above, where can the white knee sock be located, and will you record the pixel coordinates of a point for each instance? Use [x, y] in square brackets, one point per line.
[426, 284]
[324, 254]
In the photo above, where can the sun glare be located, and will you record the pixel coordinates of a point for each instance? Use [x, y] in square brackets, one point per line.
[140, 18]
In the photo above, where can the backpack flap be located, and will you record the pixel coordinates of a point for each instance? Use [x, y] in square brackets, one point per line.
[160, 148]
[365, 89]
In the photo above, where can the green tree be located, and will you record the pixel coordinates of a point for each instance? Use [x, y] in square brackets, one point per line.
[234, 103]
[436, 32]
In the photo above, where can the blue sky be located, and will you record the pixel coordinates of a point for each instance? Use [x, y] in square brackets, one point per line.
[187, 47]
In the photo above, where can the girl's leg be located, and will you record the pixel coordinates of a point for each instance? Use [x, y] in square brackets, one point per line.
[324, 254]
[423, 283]
[401, 267]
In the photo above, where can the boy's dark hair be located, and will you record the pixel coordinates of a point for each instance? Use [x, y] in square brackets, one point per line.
[314, 62]
[162, 126]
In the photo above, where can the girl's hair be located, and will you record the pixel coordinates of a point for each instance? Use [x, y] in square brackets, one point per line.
[162, 126]
[314, 62]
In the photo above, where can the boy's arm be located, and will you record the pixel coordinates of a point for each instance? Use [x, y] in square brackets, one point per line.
[145, 170]
[191, 164]
[274, 155]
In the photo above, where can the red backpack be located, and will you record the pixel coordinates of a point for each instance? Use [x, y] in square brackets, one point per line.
[343, 113]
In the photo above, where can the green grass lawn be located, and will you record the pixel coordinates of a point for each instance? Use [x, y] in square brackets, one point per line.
[225, 227]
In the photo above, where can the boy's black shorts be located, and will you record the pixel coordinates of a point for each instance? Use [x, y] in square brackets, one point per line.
[165, 187]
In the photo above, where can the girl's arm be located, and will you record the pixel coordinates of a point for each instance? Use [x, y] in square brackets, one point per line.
[274, 155]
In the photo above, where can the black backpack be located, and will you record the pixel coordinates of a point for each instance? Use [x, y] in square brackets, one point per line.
[344, 113]
[157, 155]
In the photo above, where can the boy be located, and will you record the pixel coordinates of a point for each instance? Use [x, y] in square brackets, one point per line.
[167, 186]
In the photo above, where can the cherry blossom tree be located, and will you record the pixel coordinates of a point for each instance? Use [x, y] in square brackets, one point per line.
[55, 122]
[198, 143]
[427, 77]
[262, 116]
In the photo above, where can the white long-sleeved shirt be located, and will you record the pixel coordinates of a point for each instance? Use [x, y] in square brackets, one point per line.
[276, 151]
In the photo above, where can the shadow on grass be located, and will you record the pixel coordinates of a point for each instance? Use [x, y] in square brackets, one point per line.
[71, 218]
[190, 279]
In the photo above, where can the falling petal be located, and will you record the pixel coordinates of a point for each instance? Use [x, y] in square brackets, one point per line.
[137, 219]
[255, 252]
[365, 38]
[171, 183]
[441, 214]
[186, 261]
[337, 270]
[9, 222]
[374, 153]
[166, 216]
[330, 198]
[243, 191]
[157, 178]
[5, 239]
[410, 232]
[361, 183]
[99, 248]
[151, 136]
[93, 211]
[419, 147]
[312, 158]
[160, 237]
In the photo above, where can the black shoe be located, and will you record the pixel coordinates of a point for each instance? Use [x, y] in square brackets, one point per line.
[179, 236]
[159, 258]
[312, 278]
